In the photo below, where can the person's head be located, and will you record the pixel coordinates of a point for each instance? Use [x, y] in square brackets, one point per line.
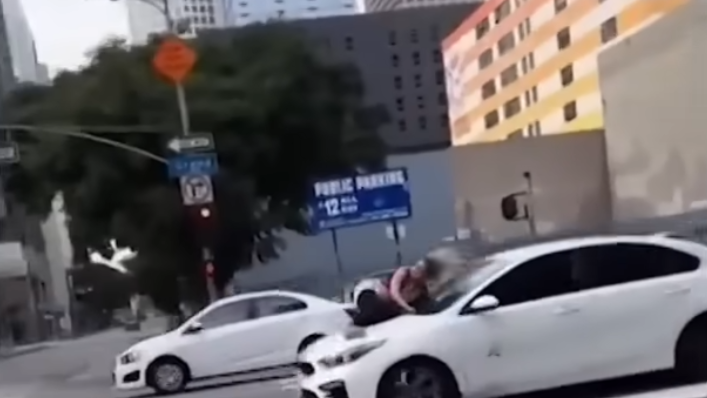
[427, 268]
[436, 262]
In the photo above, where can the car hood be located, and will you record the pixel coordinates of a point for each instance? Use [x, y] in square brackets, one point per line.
[397, 328]
[155, 343]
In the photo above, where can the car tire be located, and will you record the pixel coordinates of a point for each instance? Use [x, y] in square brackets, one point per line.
[167, 375]
[309, 340]
[691, 353]
[407, 378]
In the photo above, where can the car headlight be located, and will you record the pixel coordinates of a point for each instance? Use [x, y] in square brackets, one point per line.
[129, 357]
[350, 355]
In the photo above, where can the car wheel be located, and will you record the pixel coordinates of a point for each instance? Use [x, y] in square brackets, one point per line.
[168, 376]
[691, 353]
[309, 340]
[418, 379]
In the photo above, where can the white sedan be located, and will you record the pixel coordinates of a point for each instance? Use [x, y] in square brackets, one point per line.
[245, 334]
[538, 317]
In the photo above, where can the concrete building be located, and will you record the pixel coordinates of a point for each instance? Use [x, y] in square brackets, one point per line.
[243, 12]
[399, 57]
[23, 52]
[529, 67]
[146, 18]
[654, 91]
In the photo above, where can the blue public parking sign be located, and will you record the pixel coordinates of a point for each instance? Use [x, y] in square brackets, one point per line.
[360, 199]
[201, 164]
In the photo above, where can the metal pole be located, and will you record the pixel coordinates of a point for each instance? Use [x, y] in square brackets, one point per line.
[183, 109]
[396, 238]
[530, 204]
[339, 264]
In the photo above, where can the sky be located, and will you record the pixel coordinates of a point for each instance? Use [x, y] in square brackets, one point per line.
[65, 30]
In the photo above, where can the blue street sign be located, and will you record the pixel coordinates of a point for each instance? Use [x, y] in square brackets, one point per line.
[360, 199]
[191, 165]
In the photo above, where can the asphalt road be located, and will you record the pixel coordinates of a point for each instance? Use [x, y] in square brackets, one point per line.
[81, 369]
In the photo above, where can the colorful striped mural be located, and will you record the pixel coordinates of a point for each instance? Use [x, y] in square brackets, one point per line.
[557, 89]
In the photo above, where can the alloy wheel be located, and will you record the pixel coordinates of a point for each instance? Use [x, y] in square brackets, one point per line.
[417, 382]
[169, 377]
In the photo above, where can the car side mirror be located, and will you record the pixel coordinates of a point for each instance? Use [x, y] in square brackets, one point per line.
[194, 328]
[482, 304]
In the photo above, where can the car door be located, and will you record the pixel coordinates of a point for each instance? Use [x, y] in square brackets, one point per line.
[224, 341]
[535, 329]
[638, 299]
[282, 322]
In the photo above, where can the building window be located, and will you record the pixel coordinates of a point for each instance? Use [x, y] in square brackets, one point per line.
[422, 122]
[400, 104]
[348, 43]
[509, 75]
[534, 129]
[444, 120]
[566, 75]
[437, 56]
[486, 58]
[491, 119]
[416, 58]
[392, 38]
[434, 33]
[418, 80]
[502, 11]
[609, 30]
[506, 43]
[482, 28]
[439, 77]
[442, 98]
[395, 60]
[398, 82]
[570, 111]
[560, 5]
[524, 29]
[488, 89]
[420, 102]
[512, 107]
[534, 94]
[516, 134]
[414, 38]
[563, 38]
[531, 60]
[402, 126]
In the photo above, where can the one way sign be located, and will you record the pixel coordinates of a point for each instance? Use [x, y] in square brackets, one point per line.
[192, 143]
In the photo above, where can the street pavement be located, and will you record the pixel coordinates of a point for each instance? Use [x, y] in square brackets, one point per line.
[81, 369]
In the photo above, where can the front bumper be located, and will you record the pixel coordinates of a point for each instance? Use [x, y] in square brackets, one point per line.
[129, 377]
[345, 381]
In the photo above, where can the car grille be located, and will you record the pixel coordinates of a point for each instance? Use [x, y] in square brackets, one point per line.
[306, 368]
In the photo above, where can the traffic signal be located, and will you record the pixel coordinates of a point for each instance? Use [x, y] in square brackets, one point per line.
[511, 207]
[204, 221]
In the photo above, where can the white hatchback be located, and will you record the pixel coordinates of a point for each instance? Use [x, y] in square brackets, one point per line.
[247, 335]
[537, 317]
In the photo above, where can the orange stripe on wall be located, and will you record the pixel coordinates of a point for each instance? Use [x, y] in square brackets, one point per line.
[498, 31]
[544, 33]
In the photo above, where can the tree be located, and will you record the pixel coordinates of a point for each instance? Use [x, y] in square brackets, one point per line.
[281, 117]
[102, 288]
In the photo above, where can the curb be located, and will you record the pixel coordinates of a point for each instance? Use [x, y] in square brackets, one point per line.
[22, 351]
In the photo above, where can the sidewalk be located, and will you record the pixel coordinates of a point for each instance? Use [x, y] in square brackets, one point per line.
[10, 352]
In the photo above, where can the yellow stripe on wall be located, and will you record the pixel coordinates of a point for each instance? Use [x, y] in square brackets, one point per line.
[590, 121]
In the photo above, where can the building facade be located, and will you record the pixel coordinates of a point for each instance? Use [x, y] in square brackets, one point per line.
[529, 67]
[23, 52]
[146, 18]
[243, 12]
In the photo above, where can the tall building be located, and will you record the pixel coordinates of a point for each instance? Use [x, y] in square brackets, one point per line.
[21, 40]
[389, 5]
[529, 67]
[146, 18]
[243, 12]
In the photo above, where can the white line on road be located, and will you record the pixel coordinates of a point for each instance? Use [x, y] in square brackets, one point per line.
[691, 391]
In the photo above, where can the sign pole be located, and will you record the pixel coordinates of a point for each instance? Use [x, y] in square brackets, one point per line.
[396, 239]
[337, 254]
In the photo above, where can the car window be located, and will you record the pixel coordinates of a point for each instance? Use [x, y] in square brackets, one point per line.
[539, 278]
[276, 305]
[227, 314]
[607, 265]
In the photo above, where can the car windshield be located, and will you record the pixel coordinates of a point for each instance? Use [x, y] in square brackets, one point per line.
[457, 286]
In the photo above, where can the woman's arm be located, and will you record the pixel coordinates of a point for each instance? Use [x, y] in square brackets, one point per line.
[395, 286]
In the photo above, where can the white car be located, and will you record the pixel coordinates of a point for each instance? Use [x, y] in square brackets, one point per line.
[538, 317]
[245, 334]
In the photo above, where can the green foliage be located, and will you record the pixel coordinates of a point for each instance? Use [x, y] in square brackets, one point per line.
[280, 116]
